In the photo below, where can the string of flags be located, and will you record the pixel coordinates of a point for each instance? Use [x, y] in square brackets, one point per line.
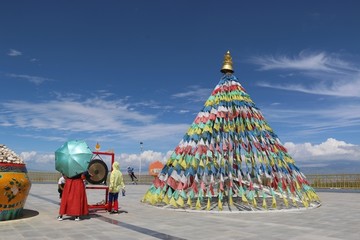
[230, 159]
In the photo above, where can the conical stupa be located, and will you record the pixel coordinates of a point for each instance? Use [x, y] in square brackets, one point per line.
[230, 160]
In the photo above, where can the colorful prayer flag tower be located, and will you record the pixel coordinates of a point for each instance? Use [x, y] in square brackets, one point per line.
[230, 160]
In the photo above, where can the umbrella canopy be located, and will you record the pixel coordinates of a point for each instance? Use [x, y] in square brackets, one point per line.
[73, 158]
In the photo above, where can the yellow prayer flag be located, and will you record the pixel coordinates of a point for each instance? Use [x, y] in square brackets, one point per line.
[306, 204]
[173, 202]
[220, 206]
[254, 202]
[273, 205]
[146, 197]
[180, 202]
[183, 164]
[243, 198]
[208, 204]
[286, 201]
[264, 205]
[201, 163]
[189, 202]
[166, 199]
[193, 163]
[198, 205]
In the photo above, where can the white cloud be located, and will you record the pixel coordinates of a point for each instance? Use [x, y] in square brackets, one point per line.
[152, 104]
[307, 154]
[155, 130]
[46, 161]
[111, 118]
[314, 121]
[343, 87]
[195, 94]
[182, 111]
[306, 60]
[14, 53]
[330, 150]
[146, 158]
[46, 138]
[88, 115]
[39, 161]
[333, 76]
[32, 79]
[34, 157]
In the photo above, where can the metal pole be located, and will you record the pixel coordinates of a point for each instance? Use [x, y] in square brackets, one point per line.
[141, 149]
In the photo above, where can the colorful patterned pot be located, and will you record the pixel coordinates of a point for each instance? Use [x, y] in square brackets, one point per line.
[14, 189]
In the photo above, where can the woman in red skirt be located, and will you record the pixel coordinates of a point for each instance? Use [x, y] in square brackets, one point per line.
[74, 201]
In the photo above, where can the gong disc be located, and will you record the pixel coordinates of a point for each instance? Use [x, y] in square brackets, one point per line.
[98, 172]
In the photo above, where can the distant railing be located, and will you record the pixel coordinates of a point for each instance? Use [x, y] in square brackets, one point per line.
[44, 177]
[53, 177]
[345, 181]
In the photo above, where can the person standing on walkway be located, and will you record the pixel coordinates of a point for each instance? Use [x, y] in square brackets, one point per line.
[132, 174]
[74, 200]
[116, 183]
[61, 185]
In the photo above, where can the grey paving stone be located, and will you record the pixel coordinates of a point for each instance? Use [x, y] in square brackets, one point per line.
[337, 218]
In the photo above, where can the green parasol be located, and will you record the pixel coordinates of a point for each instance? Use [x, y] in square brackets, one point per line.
[73, 158]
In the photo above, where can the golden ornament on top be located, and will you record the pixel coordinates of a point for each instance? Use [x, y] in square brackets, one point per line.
[227, 65]
[97, 147]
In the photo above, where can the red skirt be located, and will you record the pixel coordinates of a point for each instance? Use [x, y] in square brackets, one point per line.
[74, 200]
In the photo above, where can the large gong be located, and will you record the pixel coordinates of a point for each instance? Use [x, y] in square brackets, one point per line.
[98, 172]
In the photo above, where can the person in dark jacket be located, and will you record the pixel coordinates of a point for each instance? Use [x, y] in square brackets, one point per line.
[132, 174]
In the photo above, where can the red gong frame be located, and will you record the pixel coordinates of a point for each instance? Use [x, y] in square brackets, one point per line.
[102, 206]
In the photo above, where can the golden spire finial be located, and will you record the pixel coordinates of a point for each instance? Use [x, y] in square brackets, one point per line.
[97, 146]
[227, 65]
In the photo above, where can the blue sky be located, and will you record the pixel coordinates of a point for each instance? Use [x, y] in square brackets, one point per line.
[124, 72]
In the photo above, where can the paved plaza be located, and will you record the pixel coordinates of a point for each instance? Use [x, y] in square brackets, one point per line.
[337, 218]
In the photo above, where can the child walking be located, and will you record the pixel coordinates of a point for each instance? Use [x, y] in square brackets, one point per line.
[61, 185]
[116, 183]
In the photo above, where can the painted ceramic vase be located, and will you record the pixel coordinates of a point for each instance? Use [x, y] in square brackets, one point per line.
[14, 189]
